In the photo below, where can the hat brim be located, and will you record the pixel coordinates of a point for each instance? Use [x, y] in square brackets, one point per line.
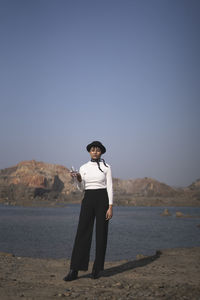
[103, 149]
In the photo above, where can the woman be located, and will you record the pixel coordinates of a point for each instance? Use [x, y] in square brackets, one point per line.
[95, 179]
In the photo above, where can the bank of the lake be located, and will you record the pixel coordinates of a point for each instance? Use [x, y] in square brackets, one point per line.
[119, 200]
[168, 274]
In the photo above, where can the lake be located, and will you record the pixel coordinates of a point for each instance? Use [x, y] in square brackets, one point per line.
[50, 232]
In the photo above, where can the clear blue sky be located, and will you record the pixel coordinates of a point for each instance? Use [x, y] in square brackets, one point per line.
[125, 72]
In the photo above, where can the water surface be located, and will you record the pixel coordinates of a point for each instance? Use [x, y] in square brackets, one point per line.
[50, 232]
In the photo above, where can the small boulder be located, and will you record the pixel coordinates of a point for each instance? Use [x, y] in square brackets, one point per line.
[166, 212]
[179, 214]
[140, 256]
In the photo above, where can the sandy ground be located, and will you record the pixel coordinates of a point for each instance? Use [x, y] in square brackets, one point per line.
[169, 274]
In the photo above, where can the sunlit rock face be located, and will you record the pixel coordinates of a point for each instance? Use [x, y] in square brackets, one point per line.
[32, 179]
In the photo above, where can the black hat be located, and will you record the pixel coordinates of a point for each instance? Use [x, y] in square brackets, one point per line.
[96, 144]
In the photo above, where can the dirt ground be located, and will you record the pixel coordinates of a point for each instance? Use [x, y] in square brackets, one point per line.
[169, 274]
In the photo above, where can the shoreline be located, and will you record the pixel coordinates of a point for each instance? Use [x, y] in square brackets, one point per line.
[171, 273]
[61, 205]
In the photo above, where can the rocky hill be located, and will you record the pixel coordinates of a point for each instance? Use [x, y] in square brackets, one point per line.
[146, 187]
[195, 186]
[38, 183]
[35, 181]
[194, 189]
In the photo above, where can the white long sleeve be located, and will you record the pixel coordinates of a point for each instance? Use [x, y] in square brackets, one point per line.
[93, 178]
[109, 185]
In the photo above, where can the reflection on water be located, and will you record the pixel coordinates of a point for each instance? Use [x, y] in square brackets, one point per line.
[50, 232]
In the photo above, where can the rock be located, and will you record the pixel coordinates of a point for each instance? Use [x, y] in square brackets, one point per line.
[60, 295]
[158, 252]
[33, 180]
[140, 256]
[179, 214]
[166, 212]
[7, 254]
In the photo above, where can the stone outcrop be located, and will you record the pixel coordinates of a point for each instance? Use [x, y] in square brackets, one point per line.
[166, 212]
[32, 180]
[179, 214]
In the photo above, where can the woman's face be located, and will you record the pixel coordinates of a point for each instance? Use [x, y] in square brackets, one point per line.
[95, 152]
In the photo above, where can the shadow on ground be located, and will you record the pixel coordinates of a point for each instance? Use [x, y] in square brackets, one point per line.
[128, 266]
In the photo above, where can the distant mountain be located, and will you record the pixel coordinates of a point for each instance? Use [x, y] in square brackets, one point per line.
[195, 186]
[38, 183]
[146, 187]
[194, 189]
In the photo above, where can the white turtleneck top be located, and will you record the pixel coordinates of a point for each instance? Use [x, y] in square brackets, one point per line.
[93, 178]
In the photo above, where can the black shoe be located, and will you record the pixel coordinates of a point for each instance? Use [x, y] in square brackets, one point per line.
[95, 274]
[72, 275]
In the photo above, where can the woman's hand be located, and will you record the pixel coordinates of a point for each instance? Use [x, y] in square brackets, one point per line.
[77, 175]
[109, 213]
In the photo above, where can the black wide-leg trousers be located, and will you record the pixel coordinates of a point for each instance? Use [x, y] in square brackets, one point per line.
[94, 205]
